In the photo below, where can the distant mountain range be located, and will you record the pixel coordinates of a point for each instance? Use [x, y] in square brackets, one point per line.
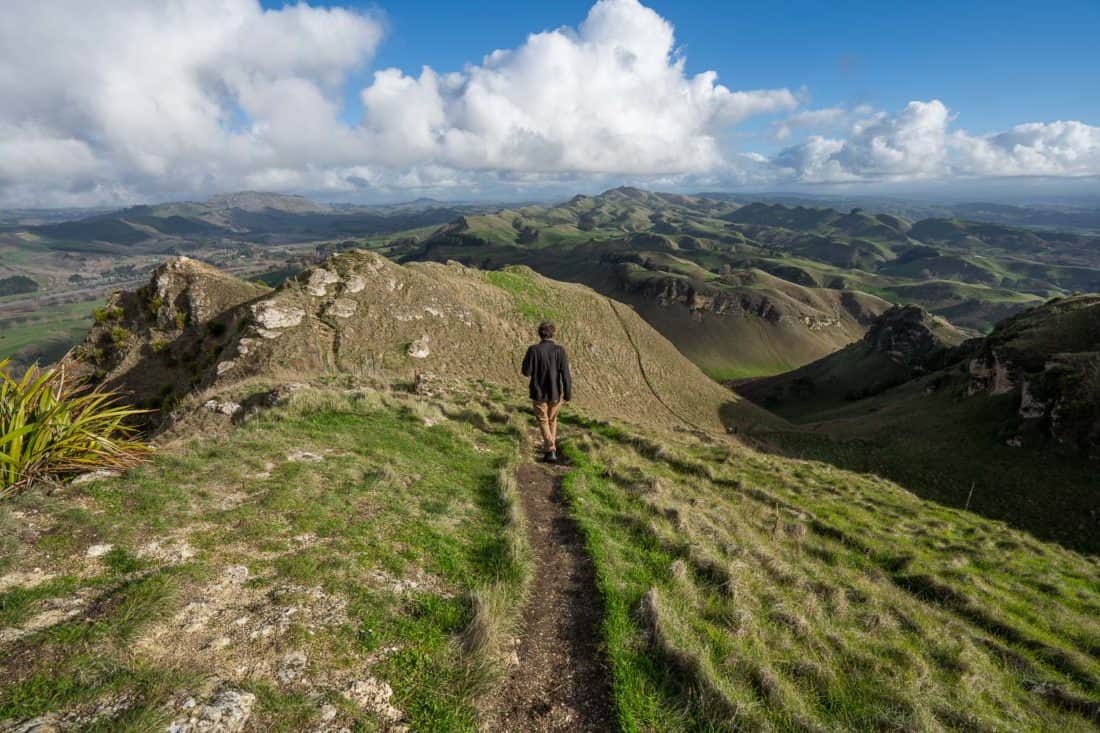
[743, 289]
[246, 217]
[1080, 214]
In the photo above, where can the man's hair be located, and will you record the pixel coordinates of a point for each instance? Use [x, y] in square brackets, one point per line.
[547, 330]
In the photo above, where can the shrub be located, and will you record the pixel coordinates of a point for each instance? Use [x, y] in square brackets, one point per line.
[107, 314]
[120, 335]
[50, 427]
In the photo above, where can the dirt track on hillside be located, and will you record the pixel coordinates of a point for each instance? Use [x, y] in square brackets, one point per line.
[562, 681]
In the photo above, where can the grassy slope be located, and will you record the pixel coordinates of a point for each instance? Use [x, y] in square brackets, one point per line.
[724, 346]
[392, 500]
[940, 443]
[953, 450]
[741, 589]
[787, 595]
[478, 325]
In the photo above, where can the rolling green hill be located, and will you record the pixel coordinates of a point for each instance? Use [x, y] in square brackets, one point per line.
[672, 257]
[195, 327]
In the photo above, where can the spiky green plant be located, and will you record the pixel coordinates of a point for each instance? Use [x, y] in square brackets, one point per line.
[50, 426]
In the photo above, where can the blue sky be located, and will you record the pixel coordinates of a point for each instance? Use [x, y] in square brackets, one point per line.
[994, 63]
[129, 100]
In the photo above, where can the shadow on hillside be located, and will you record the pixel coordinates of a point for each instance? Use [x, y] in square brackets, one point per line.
[1050, 494]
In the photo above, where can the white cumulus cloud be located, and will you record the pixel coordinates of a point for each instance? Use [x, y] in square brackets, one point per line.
[1035, 149]
[917, 144]
[132, 98]
[611, 96]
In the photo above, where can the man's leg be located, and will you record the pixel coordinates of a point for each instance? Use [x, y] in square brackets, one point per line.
[552, 419]
[542, 415]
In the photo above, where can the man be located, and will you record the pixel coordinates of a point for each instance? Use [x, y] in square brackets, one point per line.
[548, 367]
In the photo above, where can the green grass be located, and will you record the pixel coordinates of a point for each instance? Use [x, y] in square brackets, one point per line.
[747, 592]
[532, 301]
[392, 500]
[952, 450]
[47, 333]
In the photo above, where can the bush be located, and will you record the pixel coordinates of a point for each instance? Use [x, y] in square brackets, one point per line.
[107, 314]
[50, 427]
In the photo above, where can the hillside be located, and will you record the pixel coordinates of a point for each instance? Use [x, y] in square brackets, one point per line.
[352, 556]
[194, 328]
[1008, 424]
[671, 256]
[900, 344]
[674, 257]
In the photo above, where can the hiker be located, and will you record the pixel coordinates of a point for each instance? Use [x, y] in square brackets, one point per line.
[548, 367]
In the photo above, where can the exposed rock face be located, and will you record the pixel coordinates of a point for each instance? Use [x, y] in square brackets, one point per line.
[188, 291]
[419, 349]
[744, 300]
[1031, 407]
[908, 335]
[990, 375]
[1050, 357]
[156, 343]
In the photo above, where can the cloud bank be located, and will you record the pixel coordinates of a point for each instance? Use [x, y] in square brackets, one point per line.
[916, 144]
[128, 100]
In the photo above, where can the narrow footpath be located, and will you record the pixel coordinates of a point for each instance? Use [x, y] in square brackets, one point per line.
[562, 681]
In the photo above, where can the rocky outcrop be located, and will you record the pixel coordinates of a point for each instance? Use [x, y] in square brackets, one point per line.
[1049, 357]
[1065, 399]
[156, 342]
[911, 337]
[990, 375]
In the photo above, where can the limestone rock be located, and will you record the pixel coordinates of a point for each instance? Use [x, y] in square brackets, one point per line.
[342, 308]
[319, 280]
[374, 695]
[291, 666]
[271, 315]
[226, 712]
[227, 407]
[419, 349]
[92, 476]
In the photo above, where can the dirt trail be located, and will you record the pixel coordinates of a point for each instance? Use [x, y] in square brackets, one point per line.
[561, 682]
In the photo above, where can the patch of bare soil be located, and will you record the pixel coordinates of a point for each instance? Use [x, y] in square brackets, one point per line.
[561, 681]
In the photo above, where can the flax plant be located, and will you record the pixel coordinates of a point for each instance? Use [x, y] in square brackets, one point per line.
[51, 427]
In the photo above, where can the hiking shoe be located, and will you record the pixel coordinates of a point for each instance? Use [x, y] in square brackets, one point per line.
[551, 456]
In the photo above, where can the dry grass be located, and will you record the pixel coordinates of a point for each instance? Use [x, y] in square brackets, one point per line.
[497, 606]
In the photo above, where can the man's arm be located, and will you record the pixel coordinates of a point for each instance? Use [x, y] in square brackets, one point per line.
[528, 361]
[566, 377]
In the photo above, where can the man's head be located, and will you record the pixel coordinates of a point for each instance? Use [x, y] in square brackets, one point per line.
[547, 330]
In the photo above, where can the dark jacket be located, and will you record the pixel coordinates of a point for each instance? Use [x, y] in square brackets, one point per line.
[548, 367]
